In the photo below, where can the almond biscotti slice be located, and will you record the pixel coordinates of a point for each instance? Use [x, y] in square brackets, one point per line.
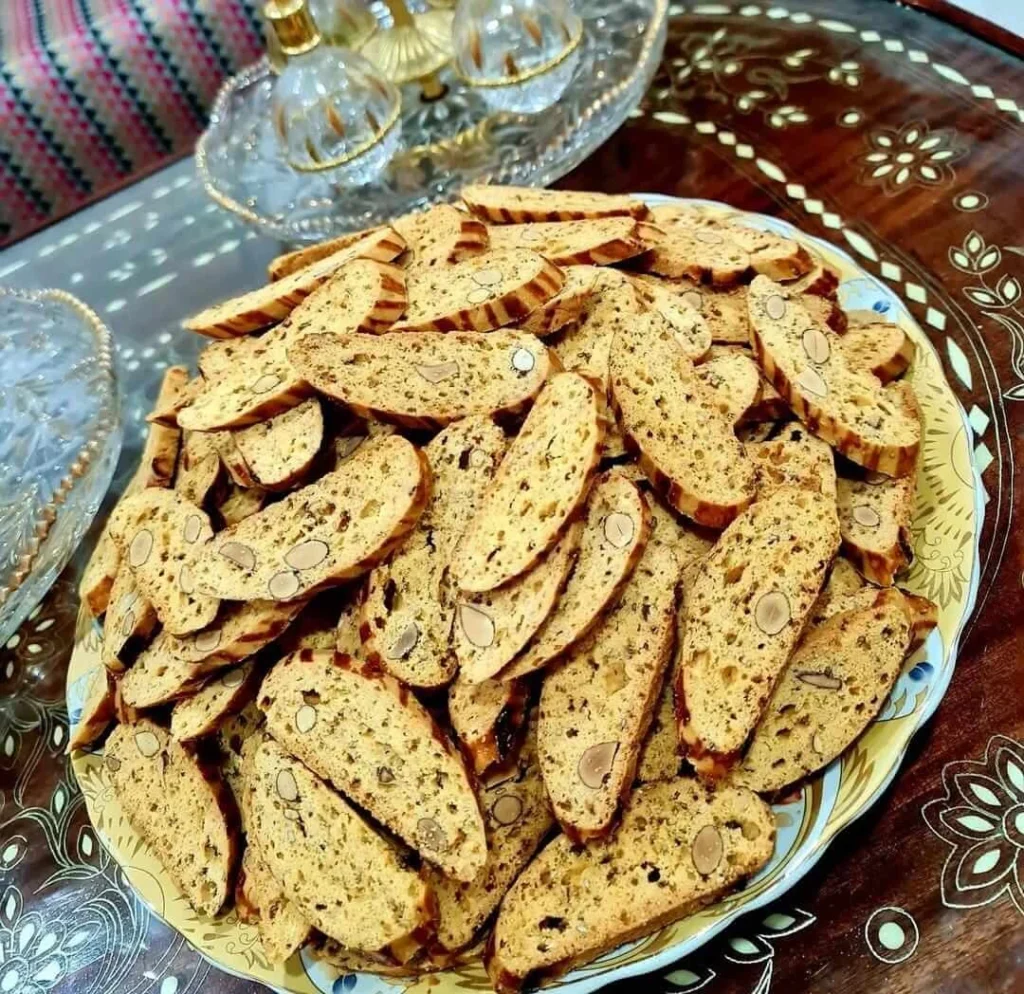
[520, 204]
[331, 530]
[426, 379]
[486, 718]
[260, 901]
[687, 322]
[408, 609]
[615, 533]
[291, 262]
[883, 349]
[835, 684]
[479, 294]
[279, 452]
[97, 710]
[566, 306]
[875, 513]
[659, 755]
[361, 730]
[518, 818]
[821, 280]
[440, 236]
[491, 628]
[235, 741]
[199, 467]
[795, 458]
[239, 503]
[183, 811]
[843, 581]
[241, 630]
[157, 534]
[224, 695]
[160, 450]
[596, 706]
[339, 873]
[598, 242]
[231, 458]
[849, 409]
[724, 310]
[128, 624]
[274, 301]
[543, 479]
[680, 846]
[745, 612]
[158, 676]
[732, 381]
[685, 445]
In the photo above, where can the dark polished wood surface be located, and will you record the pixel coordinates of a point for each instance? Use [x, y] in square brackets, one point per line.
[775, 110]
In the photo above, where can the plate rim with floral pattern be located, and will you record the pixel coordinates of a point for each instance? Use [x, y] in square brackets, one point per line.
[807, 825]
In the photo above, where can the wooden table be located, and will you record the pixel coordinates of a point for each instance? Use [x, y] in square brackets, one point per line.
[883, 129]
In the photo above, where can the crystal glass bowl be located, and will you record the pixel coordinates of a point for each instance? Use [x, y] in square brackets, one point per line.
[449, 142]
[60, 436]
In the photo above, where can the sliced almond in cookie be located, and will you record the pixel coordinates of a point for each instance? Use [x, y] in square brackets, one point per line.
[261, 901]
[128, 624]
[596, 706]
[732, 381]
[279, 452]
[291, 262]
[684, 316]
[686, 445]
[883, 349]
[97, 709]
[336, 528]
[724, 310]
[199, 467]
[273, 302]
[517, 817]
[440, 236]
[543, 479]
[364, 296]
[795, 458]
[875, 513]
[614, 536]
[566, 306]
[679, 848]
[183, 812]
[408, 610]
[217, 700]
[426, 379]
[480, 294]
[492, 628]
[598, 242]
[347, 880]
[835, 684]
[158, 533]
[361, 730]
[745, 612]
[520, 204]
[486, 718]
[807, 365]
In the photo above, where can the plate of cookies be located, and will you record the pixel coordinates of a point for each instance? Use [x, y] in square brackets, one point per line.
[518, 592]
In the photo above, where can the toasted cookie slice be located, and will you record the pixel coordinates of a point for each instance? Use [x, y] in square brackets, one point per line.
[279, 452]
[260, 901]
[702, 253]
[724, 311]
[598, 242]
[875, 513]
[291, 262]
[680, 847]
[273, 302]
[408, 610]
[231, 458]
[847, 408]
[745, 612]
[772, 255]
[922, 614]
[835, 684]
[129, 622]
[338, 872]
[224, 695]
[99, 574]
[732, 381]
[336, 528]
[692, 331]
[518, 818]
[239, 503]
[615, 533]
[566, 306]
[160, 451]
[480, 294]
[843, 581]
[659, 755]
[543, 479]
[97, 710]
[883, 349]
[159, 677]
[520, 204]
[157, 533]
[365, 296]
[826, 311]
[427, 379]
[199, 467]
[361, 730]
[685, 445]
[184, 812]
[486, 718]
[795, 458]
[821, 280]
[346, 635]
[233, 740]
[596, 706]
[491, 628]
[222, 355]
[440, 236]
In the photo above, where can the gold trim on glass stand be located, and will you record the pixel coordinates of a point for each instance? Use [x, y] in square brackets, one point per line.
[355, 152]
[532, 73]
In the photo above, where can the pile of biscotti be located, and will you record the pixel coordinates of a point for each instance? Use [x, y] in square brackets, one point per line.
[494, 568]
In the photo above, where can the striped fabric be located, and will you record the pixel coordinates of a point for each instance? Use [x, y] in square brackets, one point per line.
[94, 93]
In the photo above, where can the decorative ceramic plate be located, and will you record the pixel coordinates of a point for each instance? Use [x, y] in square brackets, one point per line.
[946, 527]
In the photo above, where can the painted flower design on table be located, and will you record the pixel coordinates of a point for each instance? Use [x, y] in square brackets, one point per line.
[981, 818]
[913, 155]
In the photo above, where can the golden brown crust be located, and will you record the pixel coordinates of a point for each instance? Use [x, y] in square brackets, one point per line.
[519, 205]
